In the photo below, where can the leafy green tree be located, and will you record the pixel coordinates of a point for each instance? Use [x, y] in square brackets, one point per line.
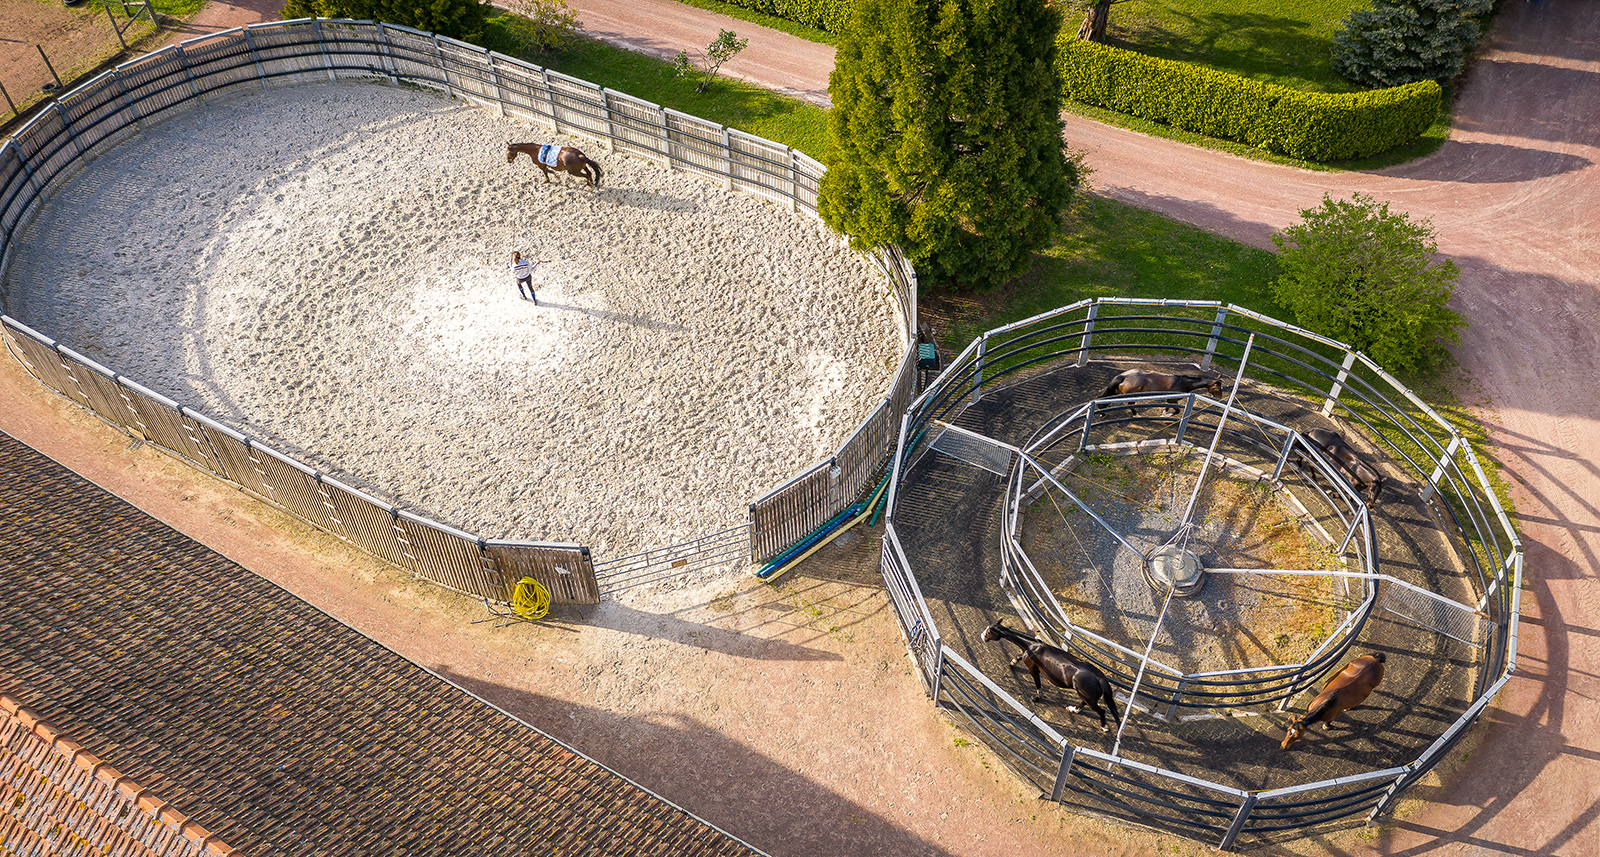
[725, 47]
[542, 26]
[458, 19]
[1403, 41]
[1354, 271]
[945, 135]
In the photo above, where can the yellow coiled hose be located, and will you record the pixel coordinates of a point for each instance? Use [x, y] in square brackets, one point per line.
[530, 599]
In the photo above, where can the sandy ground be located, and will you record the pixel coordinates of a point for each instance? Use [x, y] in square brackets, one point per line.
[325, 267]
[799, 699]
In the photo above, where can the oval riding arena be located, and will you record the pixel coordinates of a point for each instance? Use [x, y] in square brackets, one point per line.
[255, 250]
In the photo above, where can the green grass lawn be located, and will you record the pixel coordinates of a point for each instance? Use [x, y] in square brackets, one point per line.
[737, 105]
[1286, 42]
[1110, 249]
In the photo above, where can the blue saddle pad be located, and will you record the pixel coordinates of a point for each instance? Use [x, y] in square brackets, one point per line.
[549, 154]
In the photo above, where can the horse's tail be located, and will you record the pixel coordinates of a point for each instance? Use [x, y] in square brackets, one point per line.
[598, 173]
[1111, 699]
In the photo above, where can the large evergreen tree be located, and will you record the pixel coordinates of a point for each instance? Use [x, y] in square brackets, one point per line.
[946, 135]
[1396, 42]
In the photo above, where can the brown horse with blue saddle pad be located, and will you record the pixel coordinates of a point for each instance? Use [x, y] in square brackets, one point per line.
[550, 158]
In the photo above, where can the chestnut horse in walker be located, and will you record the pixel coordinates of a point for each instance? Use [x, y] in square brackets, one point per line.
[566, 159]
[1343, 692]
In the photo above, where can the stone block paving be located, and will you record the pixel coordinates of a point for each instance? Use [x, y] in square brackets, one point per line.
[949, 520]
[271, 724]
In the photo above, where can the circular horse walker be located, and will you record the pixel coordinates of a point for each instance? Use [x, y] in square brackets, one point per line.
[1208, 558]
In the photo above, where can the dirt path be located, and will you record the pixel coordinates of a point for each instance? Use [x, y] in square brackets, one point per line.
[792, 718]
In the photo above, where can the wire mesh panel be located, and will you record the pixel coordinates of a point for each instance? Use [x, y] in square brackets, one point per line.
[974, 449]
[1457, 621]
[566, 570]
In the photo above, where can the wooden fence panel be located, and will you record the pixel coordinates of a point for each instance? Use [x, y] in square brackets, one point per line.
[291, 485]
[97, 113]
[37, 354]
[364, 521]
[787, 514]
[446, 556]
[761, 168]
[579, 106]
[524, 93]
[697, 146]
[566, 570]
[97, 386]
[161, 421]
[636, 127]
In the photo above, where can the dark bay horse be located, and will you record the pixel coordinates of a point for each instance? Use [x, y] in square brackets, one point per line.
[1061, 667]
[568, 160]
[1364, 476]
[1343, 692]
[1139, 381]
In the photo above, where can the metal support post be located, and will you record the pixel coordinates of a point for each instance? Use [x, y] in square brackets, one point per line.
[1338, 383]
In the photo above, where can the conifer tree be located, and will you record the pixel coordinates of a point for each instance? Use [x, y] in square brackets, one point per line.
[946, 135]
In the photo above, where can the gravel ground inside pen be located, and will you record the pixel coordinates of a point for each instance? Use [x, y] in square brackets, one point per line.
[326, 268]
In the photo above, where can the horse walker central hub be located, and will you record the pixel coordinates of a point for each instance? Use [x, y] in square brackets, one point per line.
[1173, 567]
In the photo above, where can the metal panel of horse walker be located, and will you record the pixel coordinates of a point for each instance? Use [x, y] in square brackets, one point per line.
[445, 555]
[364, 520]
[566, 570]
[37, 354]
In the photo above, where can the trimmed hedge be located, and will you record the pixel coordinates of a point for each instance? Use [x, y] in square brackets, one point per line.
[830, 15]
[1313, 126]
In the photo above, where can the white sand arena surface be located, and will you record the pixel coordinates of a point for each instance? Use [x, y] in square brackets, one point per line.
[325, 267]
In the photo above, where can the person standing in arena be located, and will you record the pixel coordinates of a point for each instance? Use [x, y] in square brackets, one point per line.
[522, 270]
